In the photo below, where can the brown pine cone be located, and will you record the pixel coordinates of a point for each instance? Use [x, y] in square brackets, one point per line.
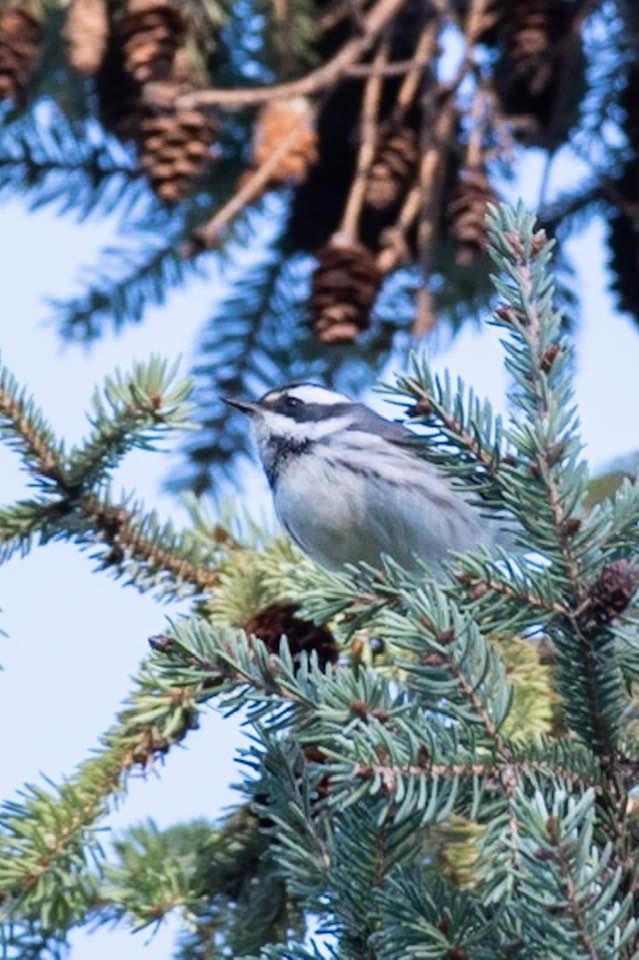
[20, 36]
[174, 148]
[344, 287]
[393, 169]
[279, 619]
[86, 32]
[466, 214]
[613, 590]
[539, 75]
[277, 121]
[150, 32]
[173, 143]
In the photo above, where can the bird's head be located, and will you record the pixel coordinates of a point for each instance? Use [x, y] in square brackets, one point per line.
[294, 416]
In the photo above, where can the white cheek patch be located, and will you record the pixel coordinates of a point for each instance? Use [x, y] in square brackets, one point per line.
[268, 424]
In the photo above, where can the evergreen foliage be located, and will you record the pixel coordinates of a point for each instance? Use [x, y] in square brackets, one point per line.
[193, 124]
[458, 784]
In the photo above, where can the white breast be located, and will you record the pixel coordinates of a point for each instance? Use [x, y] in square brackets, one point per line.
[408, 511]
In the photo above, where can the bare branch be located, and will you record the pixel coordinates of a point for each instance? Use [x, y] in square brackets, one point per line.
[325, 76]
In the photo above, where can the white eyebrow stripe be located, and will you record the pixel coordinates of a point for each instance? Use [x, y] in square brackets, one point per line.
[310, 393]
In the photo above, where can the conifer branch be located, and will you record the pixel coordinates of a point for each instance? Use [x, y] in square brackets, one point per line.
[417, 724]
[150, 554]
[52, 159]
[21, 522]
[122, 286]
[547, 441]
[38, 860]
[373, 22]
[390, 775]
[506, 601]
[131, 412]
[457, 418]
[210, 234]
[25, 428]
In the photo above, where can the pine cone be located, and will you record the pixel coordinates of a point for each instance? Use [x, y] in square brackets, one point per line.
[86, 32]
[20, 35]
[277, 121]
[539, 77]
[613, 590]
[344, 287]
[466, 214]
[150, 32]
[174, 147]
[173, 143]
[393, 168]
[279, 619]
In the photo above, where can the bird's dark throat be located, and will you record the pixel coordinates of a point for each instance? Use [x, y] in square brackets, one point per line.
[280, 449]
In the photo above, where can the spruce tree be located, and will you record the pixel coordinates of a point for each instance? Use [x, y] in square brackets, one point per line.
[439, 766]
[351, 146]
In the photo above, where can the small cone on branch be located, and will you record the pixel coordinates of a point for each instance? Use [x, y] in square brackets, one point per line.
[393, 169]
[150, 32]
[344, 287]
[613, 590]
[539, 75]
[466, 213]
[280, 620]
[174, 148]
[291, 120]
[173, 142]
[20, 35]
[86, 32]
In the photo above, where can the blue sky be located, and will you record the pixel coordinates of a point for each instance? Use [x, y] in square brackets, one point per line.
[75, 637]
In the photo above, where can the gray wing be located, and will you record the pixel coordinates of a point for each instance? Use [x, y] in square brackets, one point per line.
[396, 433]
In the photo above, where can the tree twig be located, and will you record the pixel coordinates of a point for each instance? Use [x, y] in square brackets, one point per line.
[373, 23]
[394, 251]
[208, 235]
[422, 56]
[366, 153]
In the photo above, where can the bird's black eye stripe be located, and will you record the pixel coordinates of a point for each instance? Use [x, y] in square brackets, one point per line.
[291, 402]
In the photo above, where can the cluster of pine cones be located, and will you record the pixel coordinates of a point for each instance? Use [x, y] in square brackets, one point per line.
[147, 40]
[536, 56]
[125, 46]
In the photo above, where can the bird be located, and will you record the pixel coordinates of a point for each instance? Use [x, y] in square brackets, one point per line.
[350, 486]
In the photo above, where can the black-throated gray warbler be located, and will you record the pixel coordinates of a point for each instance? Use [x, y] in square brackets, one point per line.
[349, 485]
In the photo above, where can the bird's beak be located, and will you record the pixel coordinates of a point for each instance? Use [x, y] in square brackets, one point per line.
[246, 406]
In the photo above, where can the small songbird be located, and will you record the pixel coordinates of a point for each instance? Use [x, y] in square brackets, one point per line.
[349, 485]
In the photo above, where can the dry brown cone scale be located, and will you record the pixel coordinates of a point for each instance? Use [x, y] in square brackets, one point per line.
[86, 32]
[173, 142]
[466, 213]
[279, 620]
[174, 147]
[290, 120]
[612, 592]
[344, 286]
[150, 32]
[393, 169]
[20, 35]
